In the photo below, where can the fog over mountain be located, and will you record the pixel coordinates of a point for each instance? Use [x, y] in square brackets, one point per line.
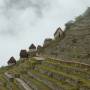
[23, 22]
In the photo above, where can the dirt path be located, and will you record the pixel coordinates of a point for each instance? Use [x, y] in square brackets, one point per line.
[39, 58]
[21, 82]
[25, 86]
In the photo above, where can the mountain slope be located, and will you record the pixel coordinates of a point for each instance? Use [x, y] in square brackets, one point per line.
[76, 43]
[48, 74]
[55, 74]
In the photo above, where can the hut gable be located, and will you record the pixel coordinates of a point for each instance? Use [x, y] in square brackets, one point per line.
[32, 51]
[23, 54]
[12, 61]
[32, 46]
[59, 33]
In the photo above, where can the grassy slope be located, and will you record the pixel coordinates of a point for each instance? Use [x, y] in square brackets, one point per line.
[49, 75]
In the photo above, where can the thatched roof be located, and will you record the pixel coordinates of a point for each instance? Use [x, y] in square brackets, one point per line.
[59, 29]
[12, 60]
[23, 54]
[32, 46]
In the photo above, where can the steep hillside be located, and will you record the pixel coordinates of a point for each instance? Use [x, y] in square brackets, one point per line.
[61, 67]
[48, 74]
[76, 43]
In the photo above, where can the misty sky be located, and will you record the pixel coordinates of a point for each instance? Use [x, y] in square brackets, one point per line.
[23, 22]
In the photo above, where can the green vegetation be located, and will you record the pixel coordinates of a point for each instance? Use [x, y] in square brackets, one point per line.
[49, 74]
[69, 74]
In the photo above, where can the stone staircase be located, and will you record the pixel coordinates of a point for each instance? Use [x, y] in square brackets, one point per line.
[51, 74]
[58, 75]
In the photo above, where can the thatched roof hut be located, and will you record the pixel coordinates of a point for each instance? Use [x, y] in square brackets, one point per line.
[23, 54]
[32, 46]
[59, 33]
[12, 61]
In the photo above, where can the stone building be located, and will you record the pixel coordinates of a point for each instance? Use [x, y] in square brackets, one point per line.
[47, 42]
[39, 50]
[59, 33]
[32, 51]
[23, 54]
[11, 61]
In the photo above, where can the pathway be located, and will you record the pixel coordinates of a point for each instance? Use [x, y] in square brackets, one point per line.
[25, 86]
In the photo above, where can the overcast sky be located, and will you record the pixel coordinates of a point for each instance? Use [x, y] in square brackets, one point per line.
[23, 22]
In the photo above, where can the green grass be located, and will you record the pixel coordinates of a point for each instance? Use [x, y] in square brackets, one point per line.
[67, 69]
[60, 68]
[71, 76]
[72, 64]
[37, 83]
[55, 82]
[3, 83]
[6, 84]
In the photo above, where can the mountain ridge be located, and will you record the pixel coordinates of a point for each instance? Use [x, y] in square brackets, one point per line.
[76, 43]
[61, 64]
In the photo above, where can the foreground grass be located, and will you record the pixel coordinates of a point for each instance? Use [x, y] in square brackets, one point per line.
[48, 66]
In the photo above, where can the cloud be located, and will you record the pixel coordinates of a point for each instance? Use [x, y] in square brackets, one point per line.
[19, 15]
[15, 12]
[36, 5]
[23, 22]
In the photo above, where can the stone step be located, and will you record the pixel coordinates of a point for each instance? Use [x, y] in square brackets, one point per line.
[62, 76]
[50, 82]
[71, 63]
[58, 75]
[35, 84]
[67, 69]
